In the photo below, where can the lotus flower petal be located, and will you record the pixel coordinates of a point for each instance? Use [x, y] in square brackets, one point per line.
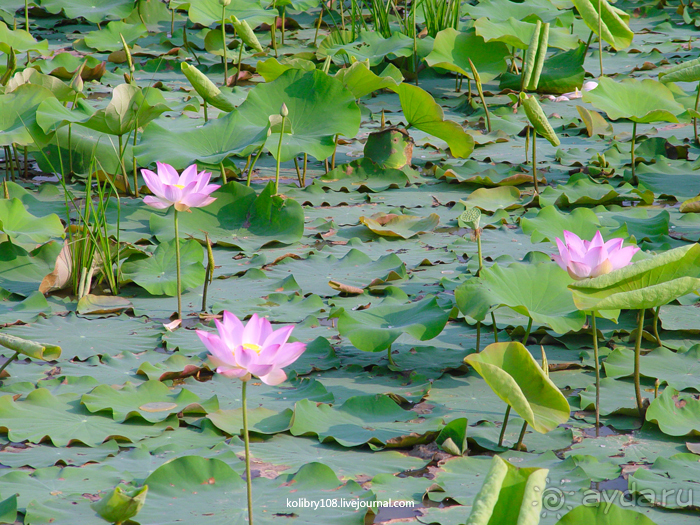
[583, 259]
[189, 190]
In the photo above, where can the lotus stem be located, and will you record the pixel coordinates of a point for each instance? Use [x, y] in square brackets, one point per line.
[457, 82]
[480, 90]
[519, 444]
[495, 327]
[279, 153]
[284, 17]
[4, 366]
[246, 441]
[16, 152]
[318, 24]
[172, 20]
[600, 37]
[634, 137]
[177, 262]
[223, 172]
[223, 38]
[655, 326]
[527, 332]
[637, 347]
[461, 79]
[478, 336]
[209, 274]
[504, 426]
[252, 166]
[657, 383]
[469, 90]
[303, 172]
[136, 175]
[26, 162]
[206, 116]
[415, 40]
[240, 61]
[478, 247]
[296, 167]
[695, 119]
[527, 142]
[335, 149]
[534, 160]
[123, 166]
[597, 375]
[70, 150]
[26, 19]
[391, 359]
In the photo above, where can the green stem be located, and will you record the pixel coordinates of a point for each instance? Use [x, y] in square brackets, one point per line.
[415, 41]
[279, 152]
[223, 172]
[495, 327]
[303, 171]
[655, 326]
[136, 175]
[335, 149]
[527, 142]
[695, 120]
[70, 150]
[223, 38]
[3, 367]
[534, 160]
[478, 247]
[318, 25]
[177, 262]
[284, 16]
[600, 38]
[634, 136]
[391, 359]
[206, 116]
[240, 60]
[246, 441]
[504, 426]
[172, 20]
[26, 15]
[478, 336]
[597, 374]
[296, 167]
[637, 348]
[527, 332]
[252, 166]
[521, 437]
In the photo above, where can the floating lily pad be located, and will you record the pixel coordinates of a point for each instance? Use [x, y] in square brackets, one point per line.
[403, 226]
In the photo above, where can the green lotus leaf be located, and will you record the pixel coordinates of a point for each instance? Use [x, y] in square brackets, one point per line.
[20, 41]
[119, 505]
[641, 101]
[52, 114]
[669, 483]
[24, 228]
[604, 513]
[644, 284]
[207, 12]
[260, 420]
[389, 148]
[8, 509]
[452, 49]
[58, 88]
[422, 112]
[32, 349]
[238, 217]
[509, 495]
[537, 291]
[492, 199]
[518, 33]
[550, 223]
[370, 419]
[489, 176]
[403, 226]
[363, 174]
[375, 329]
[545, 10]
[614, 24]
[514, 376]
[373, 47]
[151, 400]
[209, 144]
[581, 190]
[63, 420]
[271, 68]
[157, 273]
[362, 81]
[676, 413]
[63, 65]
[688, 71]
[309, 96]
[22, 271]
[676, 369]
[109, 38]
[129, 105]
[18, 115]
[94, 12]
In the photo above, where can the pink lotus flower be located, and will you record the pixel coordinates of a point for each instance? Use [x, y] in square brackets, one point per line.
[584, 259]
[251, 350]
[189, 190]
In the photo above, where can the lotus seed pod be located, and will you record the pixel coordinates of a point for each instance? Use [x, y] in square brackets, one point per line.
[284, 111]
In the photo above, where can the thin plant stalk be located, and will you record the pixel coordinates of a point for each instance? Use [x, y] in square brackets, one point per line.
[223, 38]
[478, 337]
[504, 426]
[284, 20]
[600, 37]
[246, 441]
[389, 357]
[303, 171]
[527, 332]
[4, 366]
[534, 160]
[634, 136]
[521, 436]
[252, 166]
[223, 172]
[335, 149]
[206, 116]
[279, 153]
[240, 60]
[318, 24]
[480, 89]
[637, 350]
[136, 175]
[597, 375]
[527, 142]
[172, 19]
[209, 274]
[296, 167]
[495, 327]
[26, 17]
[177, 262]
[695, 119]
[26, 162]
[655, 326]
[415, 40]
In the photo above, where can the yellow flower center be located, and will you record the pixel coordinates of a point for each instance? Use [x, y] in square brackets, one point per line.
[178, 186]
[253, 347]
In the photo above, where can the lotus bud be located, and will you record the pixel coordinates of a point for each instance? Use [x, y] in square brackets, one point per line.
[284, 111]
[224, 3]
